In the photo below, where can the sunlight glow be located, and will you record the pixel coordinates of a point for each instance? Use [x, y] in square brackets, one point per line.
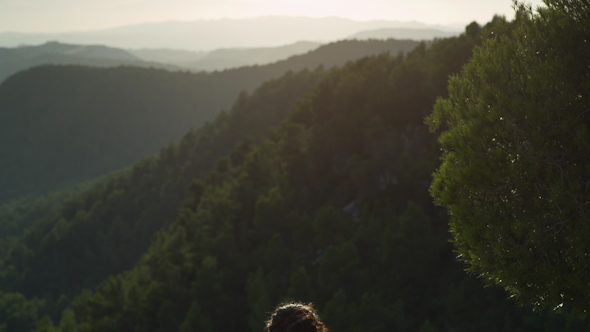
[63, 15]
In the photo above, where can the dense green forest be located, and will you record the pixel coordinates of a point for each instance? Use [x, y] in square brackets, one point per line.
[120, 115]
[17, 214]
[331, 206]
[106, 229]
[515, 176]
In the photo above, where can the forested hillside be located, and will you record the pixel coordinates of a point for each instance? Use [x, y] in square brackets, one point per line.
[106, 229]
[120, 115]
[17, 214]
[333, 207]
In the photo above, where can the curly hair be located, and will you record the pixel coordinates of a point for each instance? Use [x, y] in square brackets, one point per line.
[295, 317]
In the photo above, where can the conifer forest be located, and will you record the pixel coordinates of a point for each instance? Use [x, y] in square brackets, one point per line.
[429, 186]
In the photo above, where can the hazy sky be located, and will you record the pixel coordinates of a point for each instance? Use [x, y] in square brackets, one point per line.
[68, 15]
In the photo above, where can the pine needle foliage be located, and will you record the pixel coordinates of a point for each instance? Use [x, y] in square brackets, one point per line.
[516, 156]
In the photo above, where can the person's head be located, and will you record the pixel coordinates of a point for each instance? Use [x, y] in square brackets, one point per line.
[295, 317]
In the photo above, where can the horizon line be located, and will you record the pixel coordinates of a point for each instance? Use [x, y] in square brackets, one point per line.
[456, 24]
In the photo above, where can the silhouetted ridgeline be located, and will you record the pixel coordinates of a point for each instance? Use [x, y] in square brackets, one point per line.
[225, 58]
[13, 60]
[60, 124]
[215, 34]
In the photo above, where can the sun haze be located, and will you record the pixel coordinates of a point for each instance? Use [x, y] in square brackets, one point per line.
[75, 15]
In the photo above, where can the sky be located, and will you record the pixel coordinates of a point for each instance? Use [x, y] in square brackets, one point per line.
[83, 15]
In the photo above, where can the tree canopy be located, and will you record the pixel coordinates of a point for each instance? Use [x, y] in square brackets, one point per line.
[329, 206]
[121, 115]
[332, 207]
[516, 155]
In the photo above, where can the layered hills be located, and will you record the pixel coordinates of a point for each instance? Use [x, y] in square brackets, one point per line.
[87, 51]
[121, 214]
[13, 60]
[207, 35]
[224, 58]
[60, 124]
[330, 207]
[403, 33]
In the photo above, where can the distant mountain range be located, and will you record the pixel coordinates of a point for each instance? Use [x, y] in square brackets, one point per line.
[13, 60]
[87, 51]
[60, 124]
[224, 58]
[404, 33]
[205, 35]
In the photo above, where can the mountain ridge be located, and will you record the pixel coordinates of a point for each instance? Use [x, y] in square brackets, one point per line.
[204, 35]
[14, 60]
[78, 100]
[404, 33]
[224, 58]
